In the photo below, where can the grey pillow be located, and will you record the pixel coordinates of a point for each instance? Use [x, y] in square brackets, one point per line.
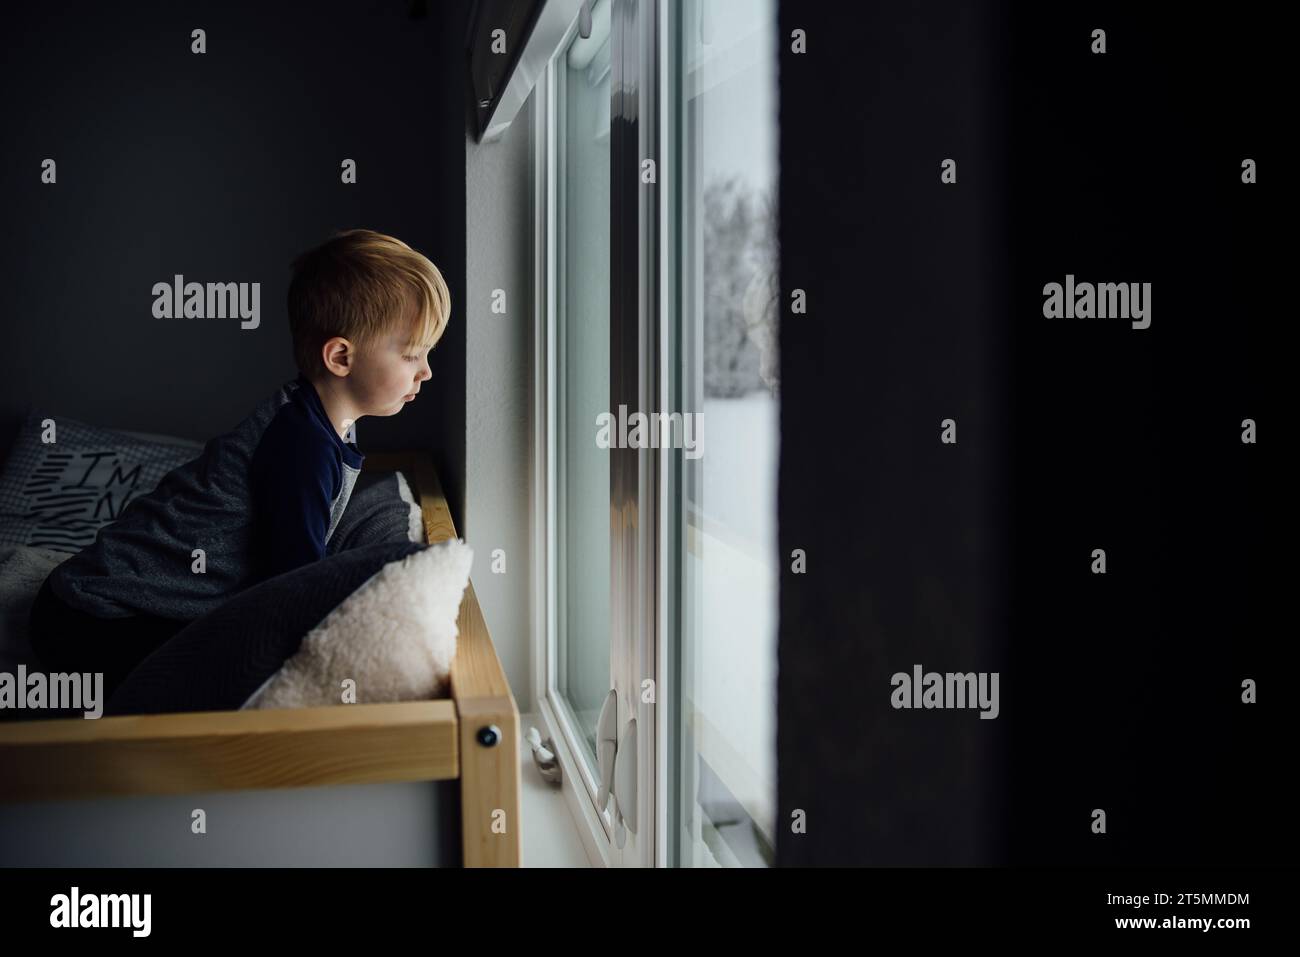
[378, 511]
[59, 495]
[217, 662]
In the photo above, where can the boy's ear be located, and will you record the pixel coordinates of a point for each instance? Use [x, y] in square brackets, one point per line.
[338, 352]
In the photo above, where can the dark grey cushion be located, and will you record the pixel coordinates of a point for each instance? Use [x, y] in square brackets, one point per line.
[60, 495]
[218, 661]
[376, 513]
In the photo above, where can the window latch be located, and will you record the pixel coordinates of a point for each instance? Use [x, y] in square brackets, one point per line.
[617, 760]
[548, 765]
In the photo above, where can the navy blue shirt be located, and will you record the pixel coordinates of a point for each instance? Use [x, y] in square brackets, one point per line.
[300, 480]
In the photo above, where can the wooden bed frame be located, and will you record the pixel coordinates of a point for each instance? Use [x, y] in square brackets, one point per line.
[473, 736]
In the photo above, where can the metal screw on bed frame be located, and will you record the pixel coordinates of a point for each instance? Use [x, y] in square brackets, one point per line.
[489, 736]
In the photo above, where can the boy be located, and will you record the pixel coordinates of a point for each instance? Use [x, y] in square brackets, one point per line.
[265, 498]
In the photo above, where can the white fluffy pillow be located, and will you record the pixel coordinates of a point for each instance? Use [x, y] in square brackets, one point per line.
[395, 636]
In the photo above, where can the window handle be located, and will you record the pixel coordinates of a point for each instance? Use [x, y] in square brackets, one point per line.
[625, 783]
[606, 748]
[617, 761]
[544, 756]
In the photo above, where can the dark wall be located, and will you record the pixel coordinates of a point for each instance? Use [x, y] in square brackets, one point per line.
[220, 167]
[1120, 692]
[1128, 167]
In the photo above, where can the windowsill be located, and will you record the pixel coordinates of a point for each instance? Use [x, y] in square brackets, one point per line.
[550, 835]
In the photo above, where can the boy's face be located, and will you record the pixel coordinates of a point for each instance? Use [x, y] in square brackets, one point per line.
[387, 376]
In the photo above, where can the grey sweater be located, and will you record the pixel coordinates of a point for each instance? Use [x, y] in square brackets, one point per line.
[144, 561]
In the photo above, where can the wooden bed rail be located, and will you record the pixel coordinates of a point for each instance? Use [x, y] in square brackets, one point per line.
[489, 718]
[227, 750]
[473, 736]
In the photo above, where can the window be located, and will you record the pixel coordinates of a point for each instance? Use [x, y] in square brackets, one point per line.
[656, 175]
[582, 377]
[723, 508]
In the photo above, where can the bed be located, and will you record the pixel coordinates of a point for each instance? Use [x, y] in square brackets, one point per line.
[417, 783]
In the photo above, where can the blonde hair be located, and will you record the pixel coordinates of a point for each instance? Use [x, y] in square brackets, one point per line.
[361, 285]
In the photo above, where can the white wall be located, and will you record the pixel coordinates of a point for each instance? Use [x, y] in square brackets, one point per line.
[499, 388]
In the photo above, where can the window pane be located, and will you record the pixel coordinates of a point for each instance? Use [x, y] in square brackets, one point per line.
[723, 97]
[583, 376]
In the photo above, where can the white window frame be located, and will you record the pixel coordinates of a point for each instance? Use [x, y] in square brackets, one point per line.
[646, 656]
